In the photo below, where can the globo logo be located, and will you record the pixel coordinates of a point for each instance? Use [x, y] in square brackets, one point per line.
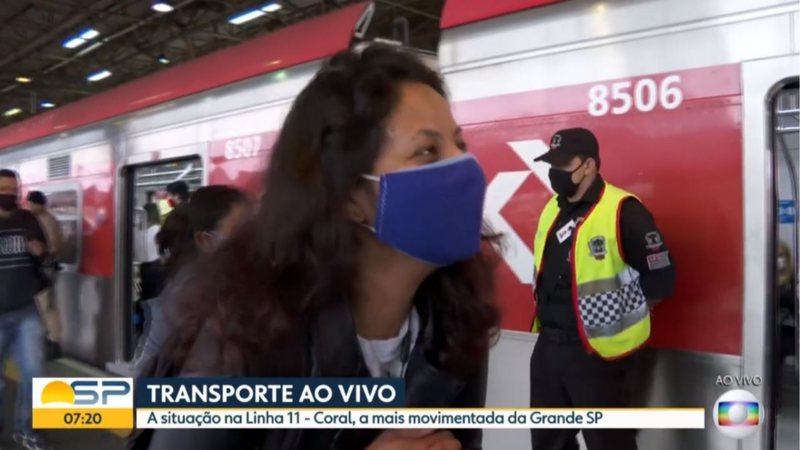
[738, 413]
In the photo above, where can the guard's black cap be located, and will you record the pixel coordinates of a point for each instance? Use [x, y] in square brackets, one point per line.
[569, 143]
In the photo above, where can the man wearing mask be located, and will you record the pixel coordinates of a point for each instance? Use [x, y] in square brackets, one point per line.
[600, 264]
[37, 204]
[177, 196]
[177, 193]
[22, 248]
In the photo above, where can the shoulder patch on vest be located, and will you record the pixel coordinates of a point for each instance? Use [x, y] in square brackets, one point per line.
[597, 247]
[658, 260]
[653, 240]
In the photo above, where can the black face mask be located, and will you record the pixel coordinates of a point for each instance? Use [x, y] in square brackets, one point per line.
[8, 202]
[561, 181]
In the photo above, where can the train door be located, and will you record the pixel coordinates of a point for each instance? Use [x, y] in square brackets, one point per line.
[144, 207]
[785, 122]
[770, 343]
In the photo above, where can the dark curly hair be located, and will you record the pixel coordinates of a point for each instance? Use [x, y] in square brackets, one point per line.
[298, 254]
[174, 241]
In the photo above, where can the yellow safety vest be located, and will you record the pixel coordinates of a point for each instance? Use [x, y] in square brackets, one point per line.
[164, 209]
[612, 311]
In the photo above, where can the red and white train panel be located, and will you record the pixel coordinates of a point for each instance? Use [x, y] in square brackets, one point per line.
[676, 92]
[666, 86]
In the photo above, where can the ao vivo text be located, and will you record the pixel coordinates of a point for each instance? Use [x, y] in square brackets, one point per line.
[738, 380]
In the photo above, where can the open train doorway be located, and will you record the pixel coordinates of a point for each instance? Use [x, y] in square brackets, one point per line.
[146, 206]
[786, 154]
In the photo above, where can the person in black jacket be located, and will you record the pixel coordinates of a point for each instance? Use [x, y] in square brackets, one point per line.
[367, 257]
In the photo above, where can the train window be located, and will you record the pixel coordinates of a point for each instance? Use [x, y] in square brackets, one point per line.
[65, 206]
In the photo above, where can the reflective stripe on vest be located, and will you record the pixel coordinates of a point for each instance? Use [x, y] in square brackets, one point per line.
[612, 311]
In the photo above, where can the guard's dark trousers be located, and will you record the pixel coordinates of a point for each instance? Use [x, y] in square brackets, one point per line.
[563, 375]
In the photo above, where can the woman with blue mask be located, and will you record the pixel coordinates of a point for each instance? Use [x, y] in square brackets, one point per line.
[367, 257]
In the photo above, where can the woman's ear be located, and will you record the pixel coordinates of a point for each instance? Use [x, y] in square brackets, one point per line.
[202, 241]
[360, 207]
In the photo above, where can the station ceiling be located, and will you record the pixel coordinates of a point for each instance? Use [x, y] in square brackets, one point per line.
[49, 49]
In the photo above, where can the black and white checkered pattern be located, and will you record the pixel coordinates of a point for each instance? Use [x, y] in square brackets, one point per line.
[606, 308]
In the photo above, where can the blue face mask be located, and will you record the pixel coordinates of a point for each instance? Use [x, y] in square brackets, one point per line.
[434, 212]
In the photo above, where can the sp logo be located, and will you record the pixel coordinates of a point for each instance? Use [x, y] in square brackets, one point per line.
[556, 141]
[94, 392]
[85, 392]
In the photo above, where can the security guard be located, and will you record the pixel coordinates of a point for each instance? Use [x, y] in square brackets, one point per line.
[600, 264]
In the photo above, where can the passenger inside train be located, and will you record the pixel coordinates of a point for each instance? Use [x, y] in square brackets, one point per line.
[177, 193]
[153, 224]
[408, 222]
[150, 263]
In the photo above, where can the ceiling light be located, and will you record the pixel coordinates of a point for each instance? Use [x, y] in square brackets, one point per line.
[272, 7]
[23, 80]
[73, 42]
[12, 112]
[99, 75]
[47, 104]
[80, 39]
[246, 16]
[89, 33]
[162, 6]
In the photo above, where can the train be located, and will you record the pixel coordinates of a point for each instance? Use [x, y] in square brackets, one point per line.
[694, 103]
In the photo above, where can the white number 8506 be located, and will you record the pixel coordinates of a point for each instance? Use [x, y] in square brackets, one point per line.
[646, 96]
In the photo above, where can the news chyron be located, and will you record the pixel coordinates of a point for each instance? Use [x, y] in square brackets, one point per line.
[339, 403]
[103, 403]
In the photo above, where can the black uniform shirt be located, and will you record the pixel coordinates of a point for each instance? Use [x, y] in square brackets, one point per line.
[640, 240]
